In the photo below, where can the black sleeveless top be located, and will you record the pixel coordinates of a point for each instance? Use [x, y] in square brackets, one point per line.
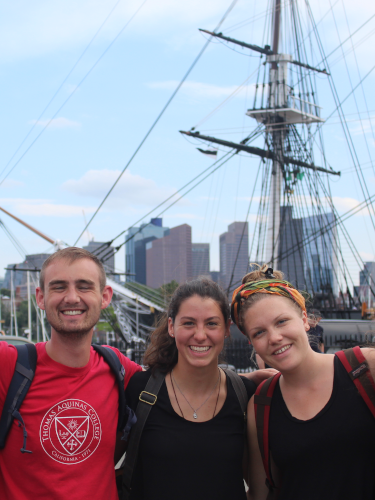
[183, 460]
[331, 456]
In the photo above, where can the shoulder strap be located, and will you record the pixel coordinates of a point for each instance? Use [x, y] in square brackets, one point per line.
[357, 367]
[23, 375]
[239, 389]
[147, 399]
[126, 416]
[262, 407]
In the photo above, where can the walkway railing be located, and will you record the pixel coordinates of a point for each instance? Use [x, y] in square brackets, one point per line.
[239, 353]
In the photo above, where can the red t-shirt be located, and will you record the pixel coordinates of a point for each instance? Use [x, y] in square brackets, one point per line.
[71, 418]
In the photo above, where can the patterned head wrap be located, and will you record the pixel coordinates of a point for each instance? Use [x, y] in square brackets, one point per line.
[271, 285]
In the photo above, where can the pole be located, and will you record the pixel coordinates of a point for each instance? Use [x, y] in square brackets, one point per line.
[37, 326]
[28, 304]
[15, 318]
[137, 318]
[276, 99]
[44, 335]
[369, 296]
[37, 314]
[11, 302]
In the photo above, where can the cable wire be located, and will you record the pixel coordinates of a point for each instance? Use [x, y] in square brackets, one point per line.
[157, 119]
[60, 87]
[73, 92]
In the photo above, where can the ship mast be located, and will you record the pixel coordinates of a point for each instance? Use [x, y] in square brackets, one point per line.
[277, 99]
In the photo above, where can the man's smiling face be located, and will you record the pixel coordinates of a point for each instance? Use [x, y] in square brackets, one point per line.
[72, 297]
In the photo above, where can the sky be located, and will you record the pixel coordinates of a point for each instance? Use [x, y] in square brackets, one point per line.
[107, 68]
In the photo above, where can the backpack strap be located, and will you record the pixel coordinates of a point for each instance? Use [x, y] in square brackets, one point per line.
[147, 399]
[126, 417]
[22, 377]
[262, 407]
[239, 389]
[357, 367]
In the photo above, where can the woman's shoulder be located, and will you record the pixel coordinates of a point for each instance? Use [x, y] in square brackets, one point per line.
[369, 354]
[250, 386]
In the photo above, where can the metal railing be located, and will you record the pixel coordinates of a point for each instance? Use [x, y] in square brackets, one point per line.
[303, 106]
[239, 353]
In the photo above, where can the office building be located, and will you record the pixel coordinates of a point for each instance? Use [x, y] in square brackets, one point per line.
[215, 276]
[291, 252]
[234, 254]
[367, 275]
[33, 262]
[320, 253]
[105, 253]
[365, 290]
[169, 258]
[135, 248]
[307, 253]
[200, 260]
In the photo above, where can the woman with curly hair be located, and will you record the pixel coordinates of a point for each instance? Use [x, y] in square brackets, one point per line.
[192, 445]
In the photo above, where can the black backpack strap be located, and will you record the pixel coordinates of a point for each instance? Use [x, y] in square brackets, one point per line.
[262, 407]
[23, 375]
[357, 367]
[126, 417]
[239, 389]
[147, 399]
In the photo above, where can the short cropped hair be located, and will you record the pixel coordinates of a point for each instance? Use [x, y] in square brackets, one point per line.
[71, 254]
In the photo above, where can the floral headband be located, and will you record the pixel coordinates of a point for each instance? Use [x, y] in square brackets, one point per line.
[270, 285]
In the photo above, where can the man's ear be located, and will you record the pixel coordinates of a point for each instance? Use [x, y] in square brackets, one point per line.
[39, 295]
[107, 295]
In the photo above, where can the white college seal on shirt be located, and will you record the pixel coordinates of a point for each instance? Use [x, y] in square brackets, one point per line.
[70, 431]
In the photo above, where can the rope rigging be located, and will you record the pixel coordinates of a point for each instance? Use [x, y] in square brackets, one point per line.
[70, 95]
[157, 119]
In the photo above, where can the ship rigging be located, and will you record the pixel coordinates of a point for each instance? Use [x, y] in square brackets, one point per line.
[298, 229]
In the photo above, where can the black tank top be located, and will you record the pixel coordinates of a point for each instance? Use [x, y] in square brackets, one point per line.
[331, 456]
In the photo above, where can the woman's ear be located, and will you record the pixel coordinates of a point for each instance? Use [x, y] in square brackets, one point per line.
[305, 321]
[170, 327]
[227, 329]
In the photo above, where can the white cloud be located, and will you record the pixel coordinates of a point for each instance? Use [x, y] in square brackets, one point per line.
[131, 190]
[40, 27]
[200, 89]
[41, 207]
[346, 204]
[60, 122]
[367, 257]
[12, 184]
[366, 126]
[185, 216]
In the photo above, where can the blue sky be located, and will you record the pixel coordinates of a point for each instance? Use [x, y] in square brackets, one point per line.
[64, 175]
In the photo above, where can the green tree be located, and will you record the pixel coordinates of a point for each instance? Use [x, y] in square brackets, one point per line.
[168, 289]
[5, 292]
[109, 316]
[22, 315]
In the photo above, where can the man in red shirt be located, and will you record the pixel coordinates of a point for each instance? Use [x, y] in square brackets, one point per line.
[71, 409]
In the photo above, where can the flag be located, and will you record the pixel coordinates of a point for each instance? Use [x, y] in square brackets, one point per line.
[209, 152]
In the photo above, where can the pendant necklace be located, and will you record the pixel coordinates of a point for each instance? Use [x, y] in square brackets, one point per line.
[195, 415]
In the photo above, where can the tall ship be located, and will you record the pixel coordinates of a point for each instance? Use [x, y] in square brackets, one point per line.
[298, 229]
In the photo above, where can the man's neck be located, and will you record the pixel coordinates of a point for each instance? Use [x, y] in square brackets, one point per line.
[73, 352]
